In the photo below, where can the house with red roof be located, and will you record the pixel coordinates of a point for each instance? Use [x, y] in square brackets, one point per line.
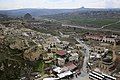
[61, 53]
[71, 66]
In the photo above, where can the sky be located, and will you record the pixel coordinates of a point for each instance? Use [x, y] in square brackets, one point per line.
[58, 4]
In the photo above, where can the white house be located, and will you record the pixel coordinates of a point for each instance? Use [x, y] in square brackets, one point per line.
[61, 61]
[73, 57]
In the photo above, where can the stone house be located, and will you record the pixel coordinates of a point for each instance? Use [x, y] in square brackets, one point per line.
[73, 57]
[109, 39]
[98, 49]
[94, 37]
[61, 61]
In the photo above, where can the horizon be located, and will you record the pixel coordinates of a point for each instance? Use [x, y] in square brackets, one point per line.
[55, 8]
[58, 4]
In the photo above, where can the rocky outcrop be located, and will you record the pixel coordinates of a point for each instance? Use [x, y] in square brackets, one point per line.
[28, 16]
[33, 53]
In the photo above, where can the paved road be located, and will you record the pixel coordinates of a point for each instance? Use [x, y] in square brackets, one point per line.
[84, 75]
[90, 28]
[81, 27]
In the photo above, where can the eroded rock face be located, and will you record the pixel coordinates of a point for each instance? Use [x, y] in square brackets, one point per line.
[2, 26]
[2, 37]
[19, 44]
[16, 25]
[33, 53]
[17, 40]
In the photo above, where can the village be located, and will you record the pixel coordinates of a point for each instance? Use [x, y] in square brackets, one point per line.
[59, 39]
[96, 56]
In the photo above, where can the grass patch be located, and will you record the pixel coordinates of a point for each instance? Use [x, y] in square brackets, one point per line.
[40, 66]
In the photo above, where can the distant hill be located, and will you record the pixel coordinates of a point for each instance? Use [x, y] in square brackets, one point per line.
[88, 13]
[35, 12]
[41, 12]
[4, 17]
[90, 18]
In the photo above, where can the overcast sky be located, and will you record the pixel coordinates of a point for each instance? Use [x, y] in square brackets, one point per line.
[53, 4]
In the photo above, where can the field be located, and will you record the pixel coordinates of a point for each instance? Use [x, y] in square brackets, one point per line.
[90, 22]
[114, 27]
